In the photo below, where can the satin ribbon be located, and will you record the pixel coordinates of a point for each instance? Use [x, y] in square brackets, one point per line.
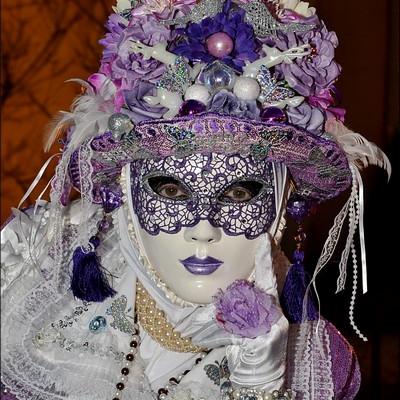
[361, 230]
[37, 179]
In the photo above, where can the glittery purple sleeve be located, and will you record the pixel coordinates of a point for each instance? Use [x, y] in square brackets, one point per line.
[345, 367]
[5, 395]
[8, 396]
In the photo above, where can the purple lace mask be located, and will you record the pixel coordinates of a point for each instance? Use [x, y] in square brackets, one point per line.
[235, 193]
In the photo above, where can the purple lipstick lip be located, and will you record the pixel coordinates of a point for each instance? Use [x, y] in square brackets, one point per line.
[201, 266]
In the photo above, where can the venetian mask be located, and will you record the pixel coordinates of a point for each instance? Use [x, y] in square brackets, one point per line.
[200, 219]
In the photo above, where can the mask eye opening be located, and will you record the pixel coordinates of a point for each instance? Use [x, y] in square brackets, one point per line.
[167, 187]
[242, 192]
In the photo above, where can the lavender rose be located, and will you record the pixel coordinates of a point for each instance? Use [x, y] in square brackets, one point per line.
[307, 117]
[308, 75]
[119, 62]
[225, 102]
[245, 310]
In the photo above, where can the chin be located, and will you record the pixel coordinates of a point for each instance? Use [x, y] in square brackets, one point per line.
[201, 289]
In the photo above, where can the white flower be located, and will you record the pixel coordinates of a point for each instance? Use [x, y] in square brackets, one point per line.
[300, 7]
[122, 5]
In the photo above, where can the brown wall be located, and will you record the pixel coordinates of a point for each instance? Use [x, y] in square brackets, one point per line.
[44, 43]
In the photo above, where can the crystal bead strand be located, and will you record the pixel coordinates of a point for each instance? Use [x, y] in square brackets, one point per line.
[356, 211]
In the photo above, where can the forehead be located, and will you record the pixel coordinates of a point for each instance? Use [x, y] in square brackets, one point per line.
[206, 166]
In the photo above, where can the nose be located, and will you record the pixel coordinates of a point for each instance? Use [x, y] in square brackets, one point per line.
[202, 233]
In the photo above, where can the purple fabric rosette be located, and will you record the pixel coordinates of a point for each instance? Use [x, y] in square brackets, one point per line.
[309, 75]
[245, 310]
[227, 103]
[119, 62]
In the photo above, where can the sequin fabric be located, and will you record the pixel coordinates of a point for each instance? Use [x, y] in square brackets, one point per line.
[265, 24]
[176, 78]
[206, 178]
[271, 89]
[203, 9]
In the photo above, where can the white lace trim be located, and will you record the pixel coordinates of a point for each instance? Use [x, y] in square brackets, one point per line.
[309, 370]
[31, 300]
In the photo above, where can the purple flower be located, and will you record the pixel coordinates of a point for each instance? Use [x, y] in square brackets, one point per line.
[119, 62]
[225, 102]
[308, 75]
[193, 43]
[307, 117]
[139, 110]
[245, 310]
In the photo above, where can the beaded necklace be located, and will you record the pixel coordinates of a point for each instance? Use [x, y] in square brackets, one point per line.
[160, 330]
[129, 357]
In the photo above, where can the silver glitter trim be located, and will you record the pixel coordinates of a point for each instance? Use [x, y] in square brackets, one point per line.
[74, 317]
[204, 9]
[176, 78]
[264, 23]
[271, 90]
[118, 311]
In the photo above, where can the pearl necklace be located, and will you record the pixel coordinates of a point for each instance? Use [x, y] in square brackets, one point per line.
[155, 323]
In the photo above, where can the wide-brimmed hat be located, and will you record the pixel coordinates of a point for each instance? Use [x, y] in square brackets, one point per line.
[318, 165]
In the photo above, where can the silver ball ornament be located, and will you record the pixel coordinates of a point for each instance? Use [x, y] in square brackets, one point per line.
[119, 124]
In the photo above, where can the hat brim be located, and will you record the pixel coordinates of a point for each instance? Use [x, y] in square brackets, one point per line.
[318, 165]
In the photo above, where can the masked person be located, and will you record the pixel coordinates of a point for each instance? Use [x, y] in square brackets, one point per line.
[206, 124]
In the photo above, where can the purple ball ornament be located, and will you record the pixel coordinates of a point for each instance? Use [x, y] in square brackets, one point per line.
[298, 208]
[273, 115]
[191, 107]
[219, 44]
[105, 224]
[110, 199]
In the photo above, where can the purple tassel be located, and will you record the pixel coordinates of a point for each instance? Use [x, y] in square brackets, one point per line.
[294, 290]
[88, 281]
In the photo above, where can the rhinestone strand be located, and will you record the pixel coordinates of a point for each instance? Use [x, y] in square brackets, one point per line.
[156, 325]
[354, 216]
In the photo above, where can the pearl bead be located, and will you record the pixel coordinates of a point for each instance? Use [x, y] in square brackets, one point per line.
[246, 88]
[219, 44]
[267, 396]
[197, 92]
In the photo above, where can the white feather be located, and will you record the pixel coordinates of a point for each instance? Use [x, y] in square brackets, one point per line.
[359, 150]
[89, 115]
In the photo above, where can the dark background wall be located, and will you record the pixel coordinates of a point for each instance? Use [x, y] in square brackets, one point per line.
[47, 42]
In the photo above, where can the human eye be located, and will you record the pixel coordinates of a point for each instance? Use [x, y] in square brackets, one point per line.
[168, 187]
[241, 192]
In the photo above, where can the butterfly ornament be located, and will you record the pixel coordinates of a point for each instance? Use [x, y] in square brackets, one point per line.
[274, 93]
